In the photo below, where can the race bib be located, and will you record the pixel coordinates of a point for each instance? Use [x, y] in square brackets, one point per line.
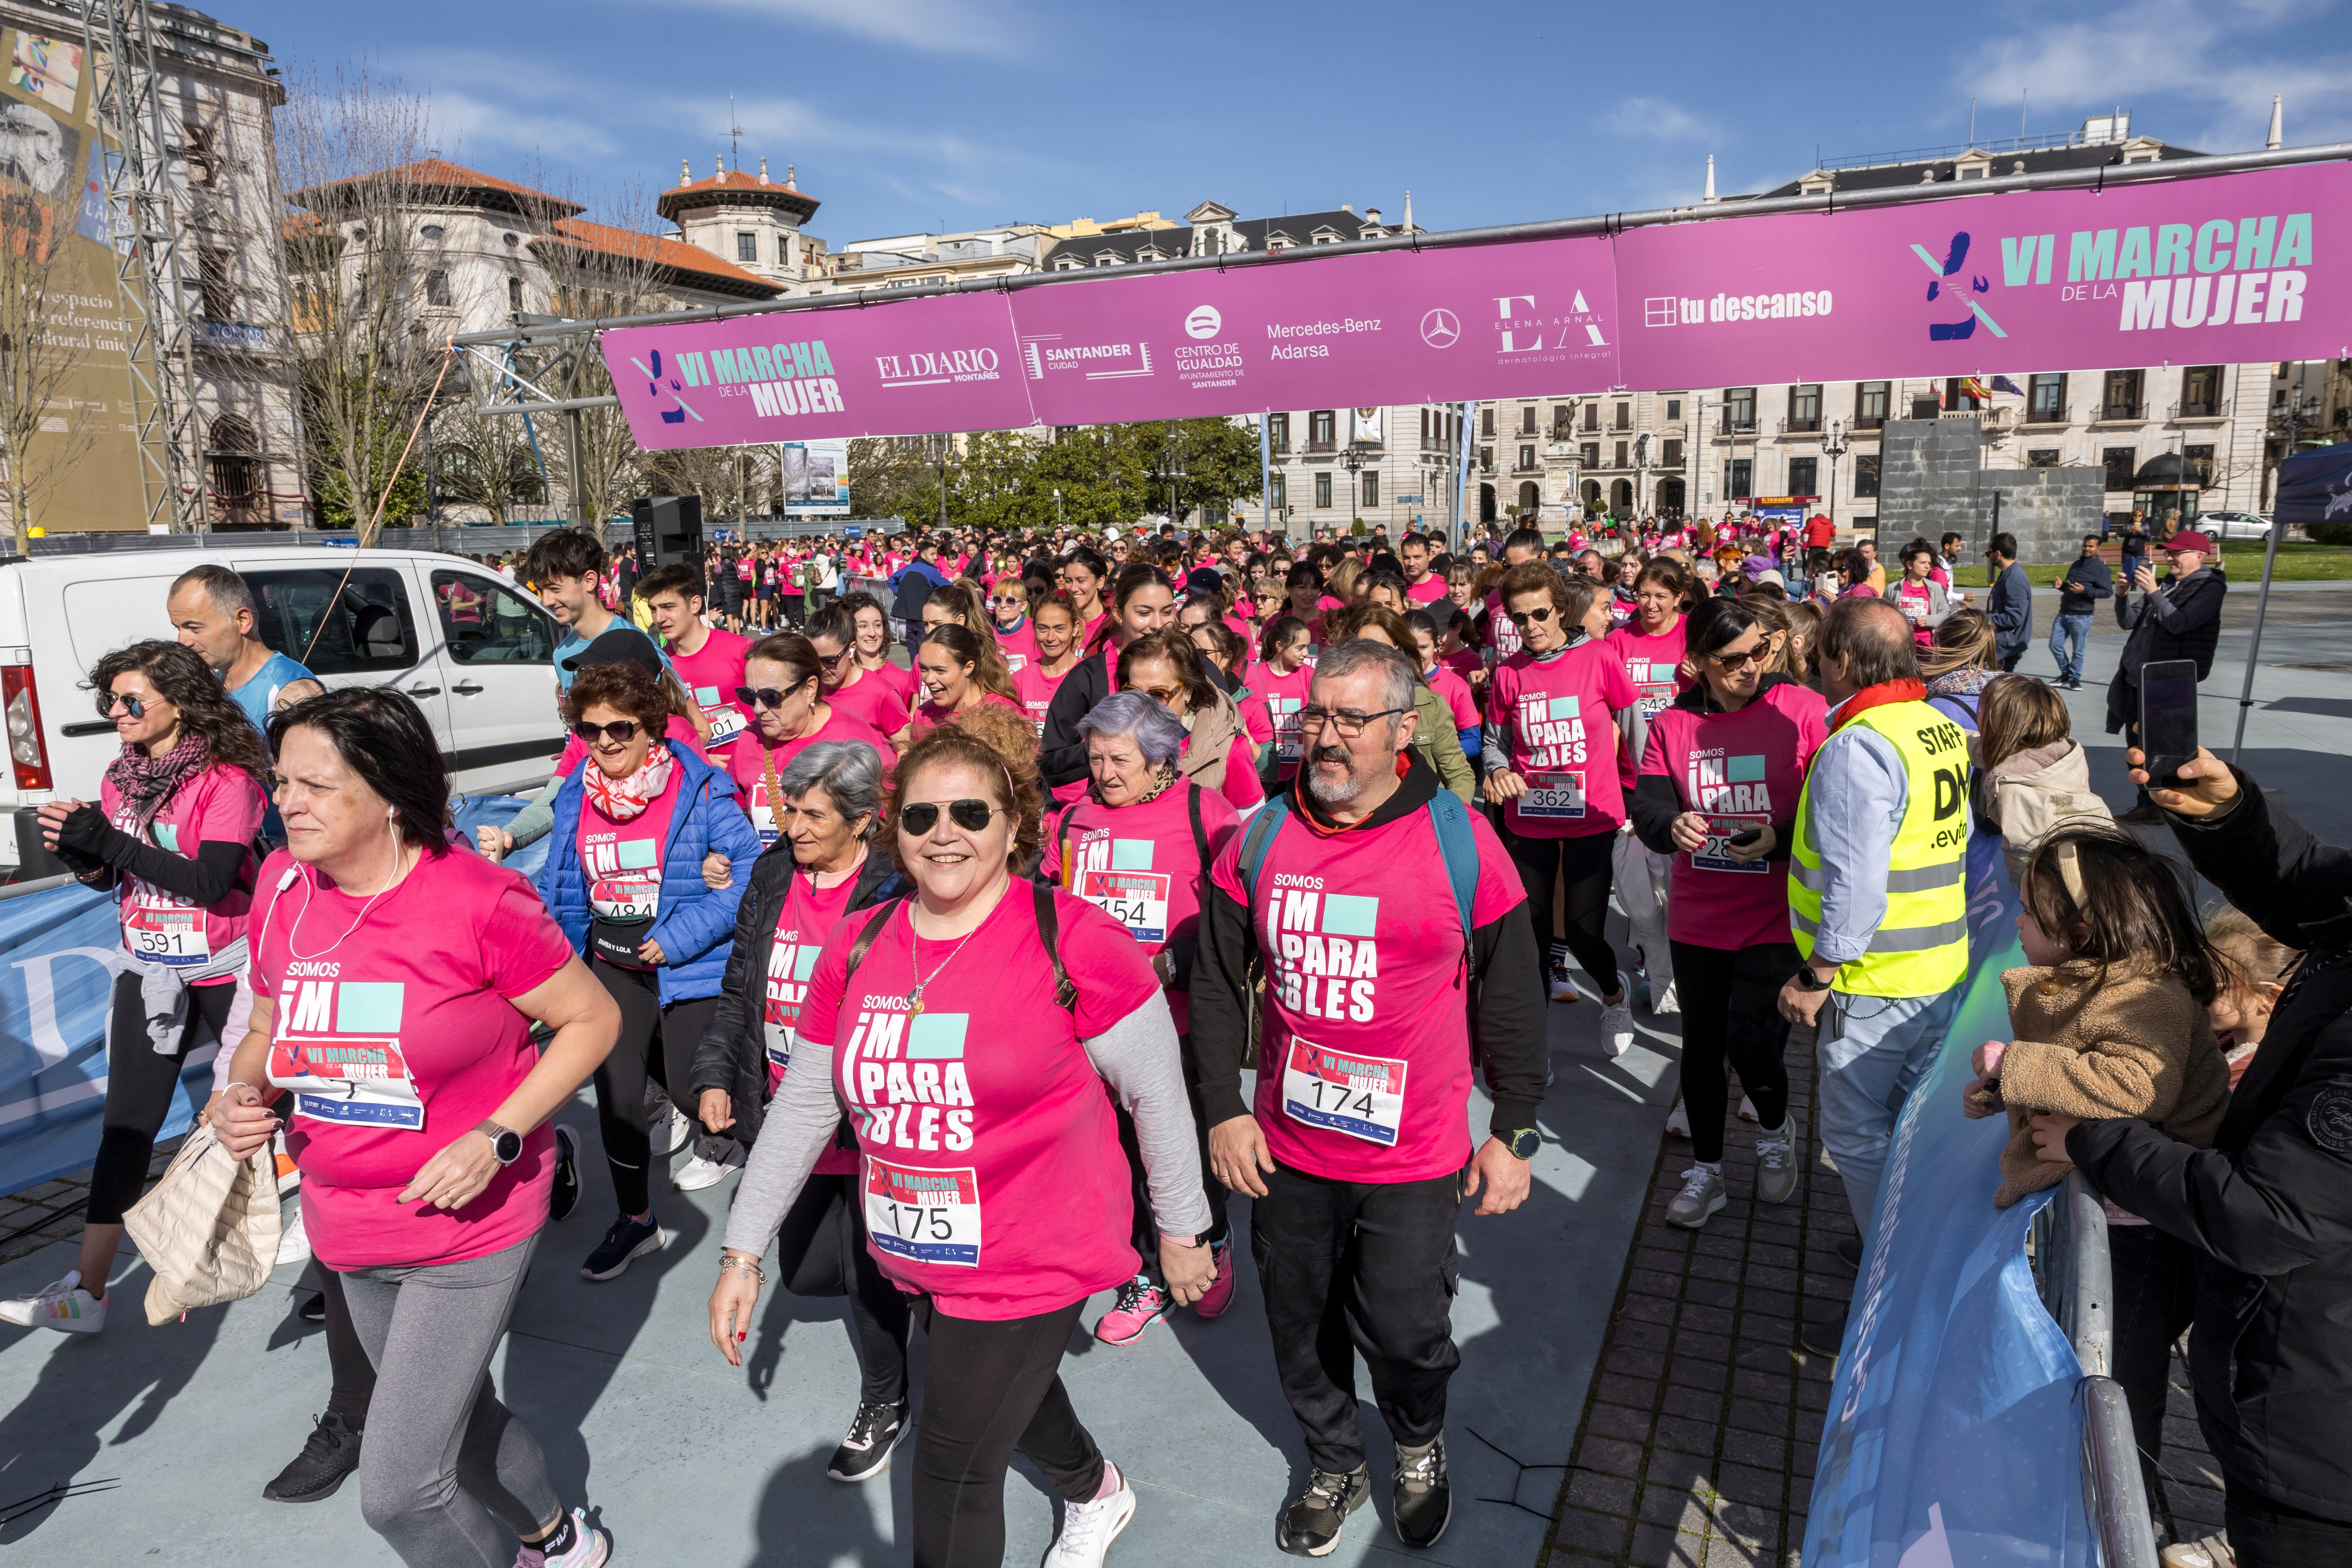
[789, 968]
[762, 812]
[1655, 682]
[1014, 663]
[1554, 797]
[1283, 711]
[157, 931]
[1361, 1096]
[1136, 900]
[727, 720]
[1721, 828]
[626, 890]
[353, 1080]
[923, 1215]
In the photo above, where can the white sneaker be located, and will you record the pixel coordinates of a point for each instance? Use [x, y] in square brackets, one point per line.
[1747, 1108]
[1678, 1120]
[1617, 1022]
[1662, 1005]
[669, 1137]
[1701, 1199]
[715, 1159]
[64, 1305]
[1776, 1165]
[293, 1241]
[1089, 1527]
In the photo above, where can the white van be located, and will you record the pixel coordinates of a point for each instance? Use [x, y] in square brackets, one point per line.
[475, 652]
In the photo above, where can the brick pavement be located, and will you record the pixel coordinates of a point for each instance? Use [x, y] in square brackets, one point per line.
[32, 1219]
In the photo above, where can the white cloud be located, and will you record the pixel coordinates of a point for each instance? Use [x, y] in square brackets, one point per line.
[1654, 119]
[462, 122]
[942, 26]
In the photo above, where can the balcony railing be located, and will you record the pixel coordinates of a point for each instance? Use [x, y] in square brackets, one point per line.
[2204, 410]
[1868, 422]
[1793, 426]
[1736, 425]
[2121, 413]
[1326, 448]
[2046, 416]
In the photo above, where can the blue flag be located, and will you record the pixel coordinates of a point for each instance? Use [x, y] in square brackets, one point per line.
[2316, 486]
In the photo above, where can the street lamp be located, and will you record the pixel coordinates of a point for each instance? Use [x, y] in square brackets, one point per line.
[1355, 461]
[1057, 507]
[1833, 448]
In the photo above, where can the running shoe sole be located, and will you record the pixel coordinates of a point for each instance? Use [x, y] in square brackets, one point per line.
[654, 1243]
[1170, 1306]
[1714, 1208]
[1425, 1545]
[877, 1463]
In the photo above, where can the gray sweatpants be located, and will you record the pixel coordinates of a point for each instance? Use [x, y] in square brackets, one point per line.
[443, 1455]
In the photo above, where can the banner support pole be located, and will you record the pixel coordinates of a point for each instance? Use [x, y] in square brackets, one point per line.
[1462, 480]
[1266, 472]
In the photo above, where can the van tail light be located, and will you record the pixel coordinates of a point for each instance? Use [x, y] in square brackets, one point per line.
[20, 706]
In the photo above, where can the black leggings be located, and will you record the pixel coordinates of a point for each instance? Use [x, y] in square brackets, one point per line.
[2154, 1283]
[620, 1079]
[1583, 866]
[1143, 1232]
[1732, 1011]
[347, 1359]
[139, 1080]
[993, 1387]
[821, 1251]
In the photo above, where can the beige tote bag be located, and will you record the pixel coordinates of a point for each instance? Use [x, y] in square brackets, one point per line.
[209, 1228]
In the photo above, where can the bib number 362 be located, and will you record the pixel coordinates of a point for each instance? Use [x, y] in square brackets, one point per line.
[1554, 797]
[1361, 1096]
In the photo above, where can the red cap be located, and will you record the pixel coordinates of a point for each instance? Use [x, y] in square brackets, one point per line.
[2190, 539]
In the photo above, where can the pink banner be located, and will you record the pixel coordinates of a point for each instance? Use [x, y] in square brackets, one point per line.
[2225, 271]
[1398, 326]
[944, 363]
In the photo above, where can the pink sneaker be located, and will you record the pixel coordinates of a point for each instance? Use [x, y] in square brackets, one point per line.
[1140, 1305]
[1220, 1293]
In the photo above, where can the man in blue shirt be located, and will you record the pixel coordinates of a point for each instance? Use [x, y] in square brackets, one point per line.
[565, 569]
[212, 611]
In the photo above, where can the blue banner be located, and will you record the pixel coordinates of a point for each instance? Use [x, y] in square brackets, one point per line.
[1953, 1435]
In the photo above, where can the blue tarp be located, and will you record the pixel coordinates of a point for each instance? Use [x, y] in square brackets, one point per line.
[53, 1002]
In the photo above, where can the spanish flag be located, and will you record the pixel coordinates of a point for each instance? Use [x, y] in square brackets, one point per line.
[1976, 389]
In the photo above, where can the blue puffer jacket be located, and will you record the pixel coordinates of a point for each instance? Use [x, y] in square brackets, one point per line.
[697, 927]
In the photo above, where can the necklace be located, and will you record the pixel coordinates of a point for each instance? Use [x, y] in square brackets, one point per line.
[915, 997]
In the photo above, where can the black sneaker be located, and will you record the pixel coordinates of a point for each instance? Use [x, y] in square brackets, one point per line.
[331, 1454]
[1423, 1501]
[1310, 1527]
[314, 1309]
[629, 1240]
[565, 1197]
[865, 1453]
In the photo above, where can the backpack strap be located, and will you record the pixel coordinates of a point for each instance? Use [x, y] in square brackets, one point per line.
[1049, 931]
[866, 938]
[1061, 839]
[1256, 842]
[1455, 841]
[1199, 830]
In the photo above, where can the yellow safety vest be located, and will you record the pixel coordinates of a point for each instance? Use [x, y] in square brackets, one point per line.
[1921, 945]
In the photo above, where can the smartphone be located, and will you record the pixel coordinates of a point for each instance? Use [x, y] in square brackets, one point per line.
[2168, 720]
[1742, 840]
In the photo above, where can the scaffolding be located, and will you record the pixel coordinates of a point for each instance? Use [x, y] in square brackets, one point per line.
[139, 132]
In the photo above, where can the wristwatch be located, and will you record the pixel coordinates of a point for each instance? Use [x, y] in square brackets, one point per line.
[506, 1145]
[1522, 1142]
[1805, 980]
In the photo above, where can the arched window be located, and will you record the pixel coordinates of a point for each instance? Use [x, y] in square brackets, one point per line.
[1530, 499]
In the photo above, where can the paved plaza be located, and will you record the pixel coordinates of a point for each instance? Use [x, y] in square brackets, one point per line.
[1660, 1366]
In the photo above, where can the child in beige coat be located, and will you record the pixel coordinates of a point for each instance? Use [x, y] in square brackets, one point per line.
[2033, 776]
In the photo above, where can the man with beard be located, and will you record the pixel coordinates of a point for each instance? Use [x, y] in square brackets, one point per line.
[1368, 882]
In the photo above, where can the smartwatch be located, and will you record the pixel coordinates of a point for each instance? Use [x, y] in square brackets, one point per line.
[1522, 1142]
[506, 1145]
[1805, 980]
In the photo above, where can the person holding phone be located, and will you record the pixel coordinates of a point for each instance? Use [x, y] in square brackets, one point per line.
[2179, 618]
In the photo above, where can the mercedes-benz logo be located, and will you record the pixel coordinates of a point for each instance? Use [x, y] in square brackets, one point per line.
[1439, 329]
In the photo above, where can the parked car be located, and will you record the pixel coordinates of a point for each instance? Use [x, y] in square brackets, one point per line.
[2232, 525]
[474, 651]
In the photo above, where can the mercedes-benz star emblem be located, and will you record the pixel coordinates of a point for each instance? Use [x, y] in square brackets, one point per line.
[1439, 329]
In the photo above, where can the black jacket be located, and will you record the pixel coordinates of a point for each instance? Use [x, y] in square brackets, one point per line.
[1510, 1016]
[2269, 1206]
[2097, 581]
[1656, 802]
[2182, 619]
[2009, 607]
[1062, 751]
[733, 1052]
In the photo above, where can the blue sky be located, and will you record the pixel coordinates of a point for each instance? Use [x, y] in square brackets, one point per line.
[915, 114]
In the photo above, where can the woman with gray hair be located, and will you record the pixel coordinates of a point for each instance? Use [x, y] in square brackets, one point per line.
[819, 871]
[1139, 844]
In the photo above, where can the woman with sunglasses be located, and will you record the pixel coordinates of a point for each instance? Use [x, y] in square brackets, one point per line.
[1143, 602]
[1054, 624]
[624, 880]
[1550, 758]
[1008, 618]
[823, 871]
[959, 671]
[1717, 791]
[784, 690]
[1217, 754]
[172, 835]
[969, 1031]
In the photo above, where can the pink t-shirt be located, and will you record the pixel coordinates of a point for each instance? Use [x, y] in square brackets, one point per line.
[1559, 718]
[1915, 601]
[1653, 664]
[1240, 786]
[1139, 866]
[1454, 692]
[1428, 591]
[1743, 770]
[749, 763]
[991, 1175]
[902, 683]
[622, 861]
[710, 676]
[221, 804]
[1463, 662]
[1036, 689]
[807, 922]
[397, 1038]
[1270, 713]
[1019, 644]
[1501, 634]
[929, 715]
[1364, 1073]
[876, 704]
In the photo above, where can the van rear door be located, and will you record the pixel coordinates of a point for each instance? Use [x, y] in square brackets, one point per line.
[497, 653]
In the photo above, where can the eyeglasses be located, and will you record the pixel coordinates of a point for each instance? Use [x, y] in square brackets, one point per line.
[620, 731]
[1012, 600]
[1528, 617]
[918, 818]
[1737, 660]
[1164, 695]
[765, 697]
[131, 705]
[830, 660]
[1346, 721]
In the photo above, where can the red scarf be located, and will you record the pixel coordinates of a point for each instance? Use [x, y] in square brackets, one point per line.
[623, 798]
[1879, 696]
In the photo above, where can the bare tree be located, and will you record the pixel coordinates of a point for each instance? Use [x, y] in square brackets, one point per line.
[488, 461]
[349, 147]
[44, 341]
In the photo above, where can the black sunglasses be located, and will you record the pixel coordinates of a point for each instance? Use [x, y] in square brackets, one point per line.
[620, 731]
[131, 705]
[918, 818]
[765, 697]
[1526, 617]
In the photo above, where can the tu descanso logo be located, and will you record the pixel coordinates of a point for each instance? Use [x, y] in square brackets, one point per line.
[659, 385]
[1954, 310]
